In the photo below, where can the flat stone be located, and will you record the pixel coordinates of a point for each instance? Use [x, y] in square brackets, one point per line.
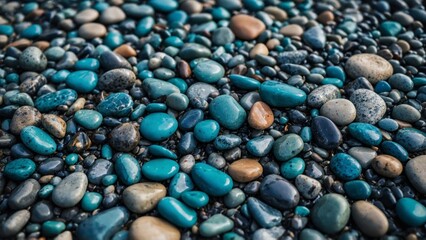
[246, 27]
[24, 195]
[143, 197]
[415, 170]
[92, 30]
[14, 223]
[387, 166]
[147, 228]
[331, 213]
[278, 192]
[54, 125]
[370, 220]
[370, 66]
[341, 111]
[260, 116]
[158, 126]
[245, 170]
[228, 112]
[278, 94]
[70, 190]
[216, 225]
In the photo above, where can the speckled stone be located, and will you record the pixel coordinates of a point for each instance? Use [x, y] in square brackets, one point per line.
[370, 66]
[370, 107]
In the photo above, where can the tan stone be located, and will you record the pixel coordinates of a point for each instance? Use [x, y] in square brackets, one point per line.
[260, 116]
[387, 166]
[143, 197]
[259, 48]
[369, 219]
[370, 66]
[148, 228]
[23, 117]
[43, 45]
[291, 30]
[245, 170]
[54, 125]
[76, 106]
[246, 27]
[92, 30]
[86, 16]
[125, 51]
[20, 44]
[277, 13]
[191, 6]
[272, 43]
[325, 17]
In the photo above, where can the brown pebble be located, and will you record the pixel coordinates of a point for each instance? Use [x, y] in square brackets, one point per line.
[143, 197]
[246, 27]
[276, 12]
[79, 143]
[184, 69]
[370, 66]
[272, 43]
[20, 44]
[125, 137]
[86, 16]
[369, 219]
[67, 24]
[23, 117]
[404, 45]
[291, 30]
[387, 166]
[125, 51]
[259, 48]
[77, 105]
[3, 40]
[92, 30]
[147, 228]
[245, 170]
[191, 6]
[325, 17]
[43, 45]
[54, 125]
[260, 116]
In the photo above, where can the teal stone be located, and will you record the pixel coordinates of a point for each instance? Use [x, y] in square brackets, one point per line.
[411, 139]
[144, 26]
[179, 83]
[173, 41]
[227, 141]
[127, 169]
[243, 82]
[89, 64]
[253, 5]
[106, 151]
[220, 13]
[228, 112]
[335, 72]
[208, 71]
[176, 212]
[29, 7]
[192, 51]
[382, 86]
[160, 169]
[331, 213]
[234, 198]
[260, 146]
[211, 180]
[109, 180]
[177, 101]
[21, 99]
[411, 212]
[158, 88]
[158, 126]
[82, 81]
[71, 159]
[311, 234]
[19, 169]
[6, 29]
[216, 225]
[116, 105]
[52, 228]
[180, 183]
[278, 94]
[206, 131]
[232, 236]
[288, 146]
[195, 199]
[60, 76]
[394, 149]
[265, 215]
[38, 140]
[102, 225]
[348, 27]
[390, 28]
[161, 152]
[121, 235]
[177, 18]
[163, 5]
[365, 133]
[113, 39]
[306, 134]
[333, 81]
[292, 168]
[138, 112]
[419, 81]
[91, 201]
[388, 124]
[32, 31]
[46, 191]
[302, 211]
[345, 167]
[357, 190]
[51, 101]
[88, 119]
[156, 107]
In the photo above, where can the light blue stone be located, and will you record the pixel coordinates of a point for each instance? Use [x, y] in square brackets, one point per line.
[32, 31]
[144, 26]
[161, 152]
[179, 184]
[195, 199]
[38, 140]
[243, 82]
[208, 71]
[227, 141]
[89, 64]
[216, 225]
[260, 146]
[160, 169]
[91, 201]
[390, 28]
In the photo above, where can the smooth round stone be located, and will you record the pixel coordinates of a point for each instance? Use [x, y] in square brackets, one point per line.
[38, 140]
[141, 198]
[211, 180]
[281, 95]
[32, 59]
[415, 170]
[245, 170]
[24, 195]
[260, 146]
[14, 223]
[177, 101]
[234, 198]
[161, 152]
[369, 219]
[176, 212]
[206, 131]
[288, 146]
[99, 170]
[163, 5]
[160, 169]
[70, 190]
[292, 168]
[50, 166]
[158, 88]
[278, 192]
[363, 155]
[411, 212]
[92, 30]
[370, 107]
[89, 119]
[370, 66]
[341, 111]
[246, 27]
[406, 113]
[117, 79]
[190, 118]
[323, 94]
[111, 60]
[265, 215]
[158, 126]
[388, 124]
[227, 141]
[82, 81]
[216, 225]
[54, 125]
[52, 228]
[315, 37]
[387, 166]
[24, 116]
[195, 199]
[112, 15]
[32, 31]
[390, 28]
[191, 51]
[243, 82]
[144, 26]
[222, 36]
[124, 137]
[395, 150]
[261, 116]
[227, 112]
[271, 233]
[116, 105]
[51, 101]
[103, 225]
[311, 234]
[331, 213]
[325, 133]
[308, 187]
[148, 227]
[19, 169]
[401, 82]
[91, 201]
[180, 183]
[127, 169]
[291, 30]
[208, 71]
[411, 139]
[345, 167]
[85, 16]
[357, 190]
[201, 91]
[365, 133]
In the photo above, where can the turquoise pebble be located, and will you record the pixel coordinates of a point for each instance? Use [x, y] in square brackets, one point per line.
[173, 41]
[413, 140]
[82, 81]
[180, 183]
[411, 212]
[227, 141]
[279, 94]
[177, 101]
[345, 167]
[335, 72]
[161, 152]
[60, 76]
[156, 107]
[208, 71]
[51, 101]
[302, 211]
[89, 64]
[260, 146]
[234, 198]
[211, 180]
[19, 169]
[394, 149]
[195, 199]
[29, 7]
[6, 30]
[382, 86]
[38, 140]
[113, 39]
[127, 169]
[121, 235]
[254, 5]
[357, 190]
[216, 225]
[220, 13]
[71, 159]
[52, 228]
[388, 124]
[157, 88]
[163, 5]
[88, 119]
[177, 18]
[311, 234]
[106, 151]
[109, 180]
[116, 104]
[206, 131]
[46, 191]
[32, 31]
[265, 215]
[390, 28]
[365, 133]
[333, 81]
[177, 212]
[288, 146]
[138, 112]
[228, 112]
[91, 201]
[158, 126]
[419, 81]
[232, 236]
[306, 134]
[160, 169]
[292, 168]
[179, 83]
[243, 82]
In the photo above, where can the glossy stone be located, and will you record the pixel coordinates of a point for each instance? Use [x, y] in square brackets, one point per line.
[88, 119]
[282, 95]
[331, 213]
[70, 190]
[264, 215]
[176, 212]
[127, 169]
[195, 199]
[411, 139]
[19, 169]
[260, 146]
[415, 170]
[345, 167]
[116, 105]
[211, 180]
[147, 227]
[215, 225]
[160, 169]
[228, 112]
[51, 101]
[365, 133]
[370, 220]
[208, 71]
[287, 147]
[278, 192]
[82, 81]
[158, 126]
[325, 133]
[206, 131]
[38, 140]
[357, 190]
[411, 212]
[143, 197]
[245, 170]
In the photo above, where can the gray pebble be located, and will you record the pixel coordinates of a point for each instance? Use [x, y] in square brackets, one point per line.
[70, 190]
[24, 195]
[370, 107]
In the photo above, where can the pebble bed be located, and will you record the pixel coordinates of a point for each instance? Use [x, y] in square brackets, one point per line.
[221, 119]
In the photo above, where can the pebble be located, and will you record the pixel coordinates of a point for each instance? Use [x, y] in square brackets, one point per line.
[325, 133]
[51, 101]
[331, 213]
[406, 113]
[365, 133]
[112, 15]
[70, 190]
[215, 225]
[208, 71]
[292, 30]
[203, 175]
[86, 16]
[261, 116]
[345, 167]
[281, 95]
[264, 215]
[54, 125]
[82, 81]
[311, 234]
[323, 94]
[14, 223]
[411, 212]
[370, 219]
[245, 170]
[315, 37]
[308, 187]
[195, 199]
[341, 111]
[357, 190]
[117, 79]
[415, 172]
[88, 119]
[127, 169]
[206, 131]
[370, 66]
[411, 139]
[143, 197]
[33, 59]
[148, 227]
[278, 192]
[160, 169]
[387, 166]
[260, 146]
[227, 112]
[38, 140]
[124, 137]
[176, 212]
[158, 126]
[287, 147]
[23, 117]
[370, 107]
[92, 30]
[363, 155]
[19, 169]
[24, 195]
[158, 88]
[246, 27]
[227, 141]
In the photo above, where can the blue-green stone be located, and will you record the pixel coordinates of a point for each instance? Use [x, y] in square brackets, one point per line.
[243, 82]
[331, 213]
[51, 101]
[116, 104]
[227, 141]
[265, 215]
[283, 95]
[211, 180]
[206, 131]
[38, 140]
[345, 167]
[160, 169]
[208, 71]
[357, 190]
[394, 149]
[52, 228]
[302, 211]
[127, 169]
[260, 146]
[82, 81]
[161, 152]
[158, 126]
[32, 31]
[89, 64]
[113, 39]
[195, 199]
[390, 28]
[176, 212]
[228, 112]
[91, 201]
[288, 146]
[411, 139]
[216, 225]
[157, 88]
[365, 133]
[180, 183]
[19, 169]
[88, 119]
[292, 168]
[411, 212]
